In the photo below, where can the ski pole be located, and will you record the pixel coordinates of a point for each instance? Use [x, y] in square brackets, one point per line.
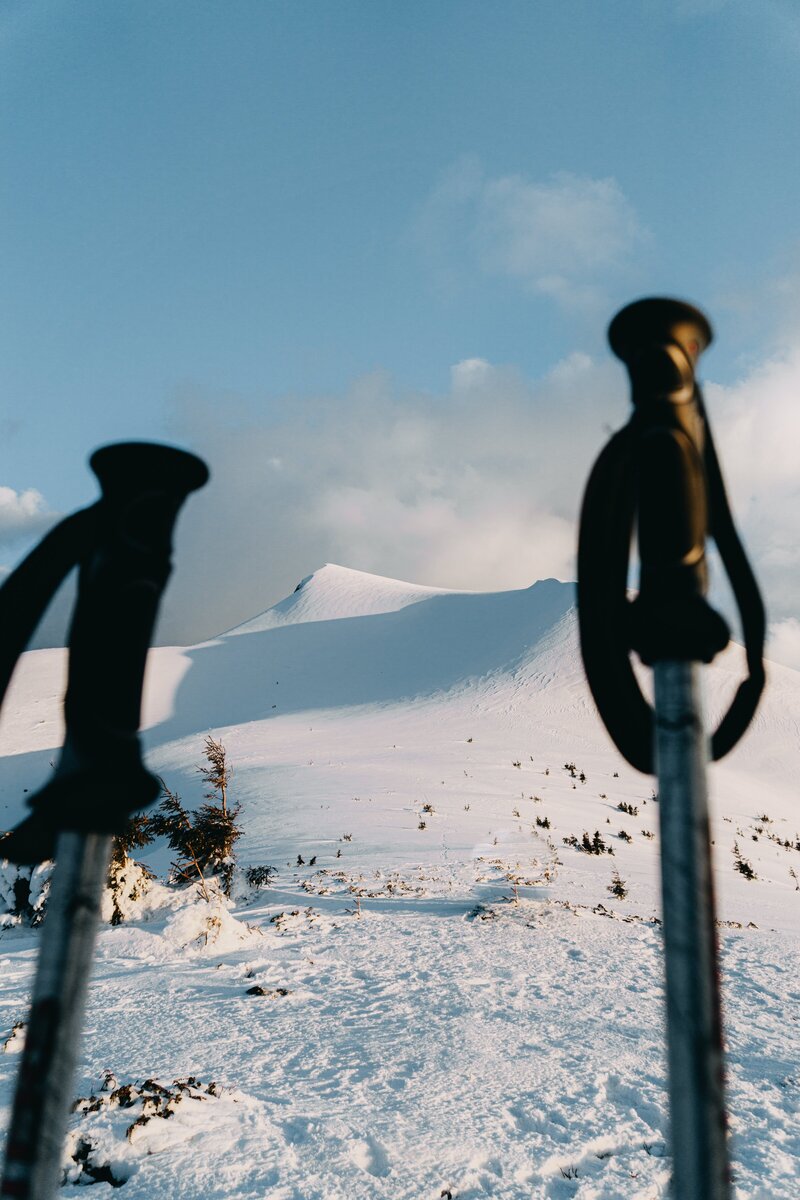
[661, 474]
[123, 546]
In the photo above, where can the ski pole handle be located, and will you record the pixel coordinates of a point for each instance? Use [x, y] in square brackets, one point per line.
[119, 590]
[659, 474]
[100, 778]
[660, 341]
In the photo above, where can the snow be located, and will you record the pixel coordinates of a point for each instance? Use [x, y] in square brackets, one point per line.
[450, 999]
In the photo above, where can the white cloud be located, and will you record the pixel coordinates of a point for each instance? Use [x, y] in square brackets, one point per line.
[757, 428]
[561, 236]
[564, 226]
[476, 488]
[22, 514]
[469, 372]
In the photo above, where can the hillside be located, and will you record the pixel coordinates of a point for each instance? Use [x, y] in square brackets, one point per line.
[413, 742]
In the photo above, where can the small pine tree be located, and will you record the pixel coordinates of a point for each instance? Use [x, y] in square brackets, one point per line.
[172, 821]
[741, 864]
[203, 840]
[217, 774]
[215, 822]
[618, 887]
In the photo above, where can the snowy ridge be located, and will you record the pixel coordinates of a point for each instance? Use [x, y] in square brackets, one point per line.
[449, 998]
[334, 592]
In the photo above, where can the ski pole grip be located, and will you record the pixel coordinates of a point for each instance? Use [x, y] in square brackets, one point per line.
[659, 322]
[660, 472]
[119, 589]
[100, 778]
[660, 340]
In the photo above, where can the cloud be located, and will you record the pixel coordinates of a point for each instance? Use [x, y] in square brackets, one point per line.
[757, 428]
[22, 514]
[476, 488]
[561, 236]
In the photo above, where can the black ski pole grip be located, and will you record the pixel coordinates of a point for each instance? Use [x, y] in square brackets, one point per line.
[659, 475]
[100, 778]
[660, 341]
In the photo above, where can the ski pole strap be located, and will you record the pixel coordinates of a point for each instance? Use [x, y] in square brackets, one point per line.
[28, 590]
[123, 549]
[660, 473]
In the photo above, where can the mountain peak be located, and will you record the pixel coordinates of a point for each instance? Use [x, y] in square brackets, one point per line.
[334, 592]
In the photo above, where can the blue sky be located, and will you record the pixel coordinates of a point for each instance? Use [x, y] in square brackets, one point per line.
[273, 231]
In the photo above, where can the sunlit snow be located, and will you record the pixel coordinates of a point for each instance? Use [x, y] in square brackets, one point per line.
[449, 1000]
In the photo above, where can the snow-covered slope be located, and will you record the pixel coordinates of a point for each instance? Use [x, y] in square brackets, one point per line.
[412, 741]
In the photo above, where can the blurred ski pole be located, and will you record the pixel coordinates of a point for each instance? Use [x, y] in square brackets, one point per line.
[122, 546]
[660, 475]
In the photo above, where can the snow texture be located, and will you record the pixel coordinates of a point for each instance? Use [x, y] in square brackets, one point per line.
[449, 1000]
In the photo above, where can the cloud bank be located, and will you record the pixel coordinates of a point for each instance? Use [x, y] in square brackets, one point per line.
[757, 426]
[22, 515]
[476, 488]
[562, 236]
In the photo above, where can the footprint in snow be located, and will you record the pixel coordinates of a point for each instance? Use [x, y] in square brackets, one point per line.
[368, 1154]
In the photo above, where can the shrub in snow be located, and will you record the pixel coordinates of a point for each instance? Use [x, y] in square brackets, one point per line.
[741, 864]
[589, 845]
[618, 887]
[15, 1042]
[23, 893]
[117, 1126]
[128, 880]
[258, 877]
[203, 840]
[216, 819]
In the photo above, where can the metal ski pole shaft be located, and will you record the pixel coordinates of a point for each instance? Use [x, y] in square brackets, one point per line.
[660, 474]
[43, 1095]
[674, 630]
[694, 1024]
[124, 547]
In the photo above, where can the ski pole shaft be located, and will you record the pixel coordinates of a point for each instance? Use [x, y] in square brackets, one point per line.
[674, 630]
[43, 1095]
[694, 1026]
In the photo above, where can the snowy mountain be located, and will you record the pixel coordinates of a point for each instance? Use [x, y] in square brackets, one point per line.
[413, 741]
